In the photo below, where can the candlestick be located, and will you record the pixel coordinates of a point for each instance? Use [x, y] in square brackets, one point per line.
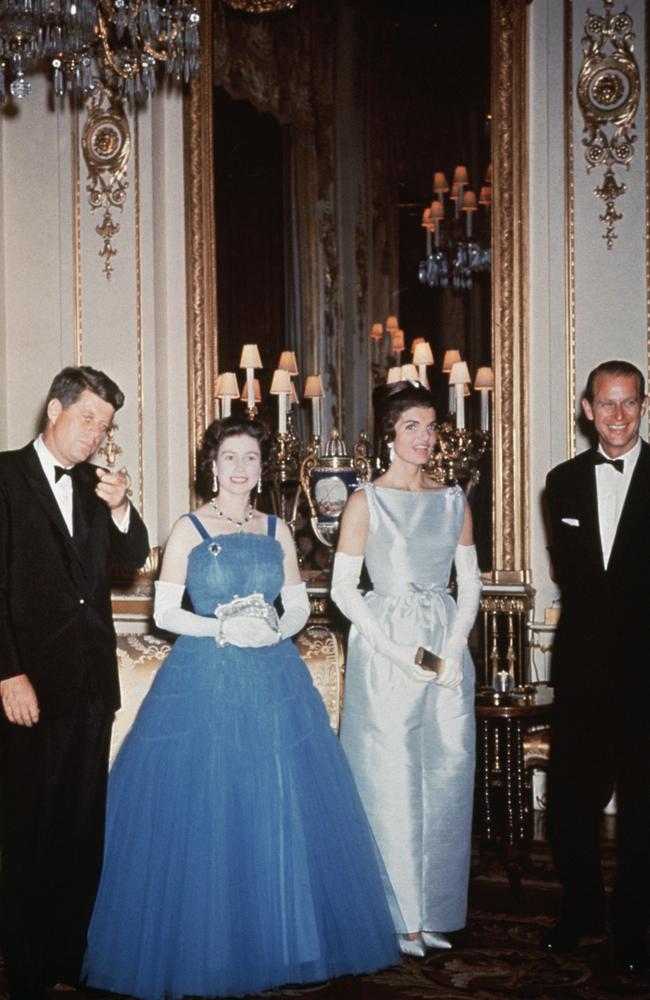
[281, 387]
[484, 383]
[485, 410]
[250, 360]
[460, 405]
[227, 390]
[459, 377]
[315, 416]
[423, 356]
[314, 391]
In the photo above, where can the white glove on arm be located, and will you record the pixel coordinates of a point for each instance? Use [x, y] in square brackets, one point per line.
[296, 610]
[170, 616]
[469, 584]
[346, 594]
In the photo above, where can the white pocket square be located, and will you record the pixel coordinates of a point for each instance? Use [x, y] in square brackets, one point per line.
[573, 522]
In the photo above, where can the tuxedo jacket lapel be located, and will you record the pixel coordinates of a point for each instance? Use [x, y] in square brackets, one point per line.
[42, 490]
[586, 489]
[84, 504]
[632, 523]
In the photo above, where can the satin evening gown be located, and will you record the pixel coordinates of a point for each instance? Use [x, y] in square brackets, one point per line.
[238, 856]
[412, 746]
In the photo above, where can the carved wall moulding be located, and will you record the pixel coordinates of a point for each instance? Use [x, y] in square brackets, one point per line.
[261, 6]
[106, 146]
[608, 92]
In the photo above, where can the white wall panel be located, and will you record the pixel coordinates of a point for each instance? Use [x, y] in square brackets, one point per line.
[587, 303]
[59, 308]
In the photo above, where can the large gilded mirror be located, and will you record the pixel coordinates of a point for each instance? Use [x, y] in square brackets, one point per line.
[344, 234]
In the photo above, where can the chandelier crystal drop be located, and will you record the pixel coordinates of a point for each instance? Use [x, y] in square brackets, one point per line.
[128, 39]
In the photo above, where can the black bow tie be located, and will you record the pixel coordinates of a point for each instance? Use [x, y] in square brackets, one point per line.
[618, 463]
[60, 471]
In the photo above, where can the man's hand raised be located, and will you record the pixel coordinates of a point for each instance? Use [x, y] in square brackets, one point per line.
[112, 489]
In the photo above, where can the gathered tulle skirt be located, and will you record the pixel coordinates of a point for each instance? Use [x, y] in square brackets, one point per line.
[238, 856]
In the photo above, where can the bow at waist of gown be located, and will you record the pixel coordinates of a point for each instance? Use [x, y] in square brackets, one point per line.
[411, 589]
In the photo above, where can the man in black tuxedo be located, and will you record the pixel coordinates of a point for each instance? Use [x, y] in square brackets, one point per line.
[63, 522]
[599, 515]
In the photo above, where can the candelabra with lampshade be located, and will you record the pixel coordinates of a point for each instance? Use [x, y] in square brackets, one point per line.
[314, 391]
[250, 360]
[455, 245]
[227, 389]
[484, 383]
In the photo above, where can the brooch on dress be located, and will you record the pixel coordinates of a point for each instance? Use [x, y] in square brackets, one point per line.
[214, 549]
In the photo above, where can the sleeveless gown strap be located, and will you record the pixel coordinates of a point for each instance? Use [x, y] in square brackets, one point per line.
[271, 525]
[199, 527]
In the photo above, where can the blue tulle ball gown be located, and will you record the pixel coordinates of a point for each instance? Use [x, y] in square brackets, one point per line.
[238, 856]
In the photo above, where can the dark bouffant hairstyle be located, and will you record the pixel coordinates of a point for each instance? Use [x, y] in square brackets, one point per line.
[391, 400]
[214, 436]
[69, 384]
[613, 368]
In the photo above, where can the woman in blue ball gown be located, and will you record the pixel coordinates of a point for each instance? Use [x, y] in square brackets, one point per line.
[238, 856]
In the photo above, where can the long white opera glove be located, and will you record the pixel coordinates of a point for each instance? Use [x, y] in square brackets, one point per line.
[295, 604]
[346, 593]
[468, 579]
[169, 615]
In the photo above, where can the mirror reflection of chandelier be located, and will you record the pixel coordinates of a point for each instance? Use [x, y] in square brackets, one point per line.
[129, 38]
[457, 232]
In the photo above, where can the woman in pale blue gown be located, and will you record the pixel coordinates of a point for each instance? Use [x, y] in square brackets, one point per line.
[238, 856]
[408, 731]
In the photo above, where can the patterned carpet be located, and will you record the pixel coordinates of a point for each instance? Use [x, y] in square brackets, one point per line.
[497, 957]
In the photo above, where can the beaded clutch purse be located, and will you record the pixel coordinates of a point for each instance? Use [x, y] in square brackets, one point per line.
[251, 606]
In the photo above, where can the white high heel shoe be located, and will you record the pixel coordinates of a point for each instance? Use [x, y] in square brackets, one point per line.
[412, 946]
[434, 940]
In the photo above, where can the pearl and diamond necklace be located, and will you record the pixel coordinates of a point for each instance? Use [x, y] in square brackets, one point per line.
[248, 516]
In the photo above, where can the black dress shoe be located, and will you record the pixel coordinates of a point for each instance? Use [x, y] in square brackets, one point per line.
[560, 939]
[632, 963]
[565, 936]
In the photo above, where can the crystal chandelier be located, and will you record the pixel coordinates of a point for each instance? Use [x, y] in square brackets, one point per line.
[128, 38]
[457, 247]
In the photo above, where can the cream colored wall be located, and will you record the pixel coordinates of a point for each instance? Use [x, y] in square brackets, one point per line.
[58, 308]
[609, 288]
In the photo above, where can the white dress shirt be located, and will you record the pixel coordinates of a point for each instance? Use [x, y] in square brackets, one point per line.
[63, 489]
[611, 488]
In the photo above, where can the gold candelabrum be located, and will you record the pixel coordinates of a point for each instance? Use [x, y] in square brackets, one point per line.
[283, 473]
[457, 454]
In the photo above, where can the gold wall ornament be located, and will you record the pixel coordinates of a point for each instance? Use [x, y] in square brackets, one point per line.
[261, 6]
[106, 146]
[608, 92]
[110, 448]
[510, 464]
